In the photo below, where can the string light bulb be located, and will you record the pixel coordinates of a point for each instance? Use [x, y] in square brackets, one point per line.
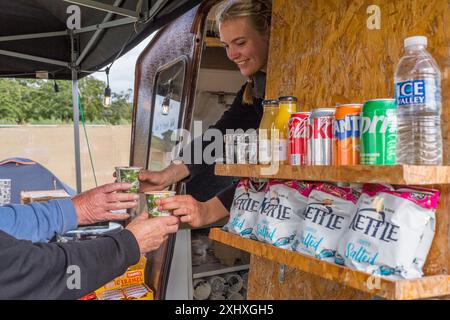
[165, 107]
[55, 86]
[107, 95]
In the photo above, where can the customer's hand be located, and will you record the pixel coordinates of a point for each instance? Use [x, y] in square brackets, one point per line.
[151, 233]
[154, 180]
[190, 211]
[95, 205]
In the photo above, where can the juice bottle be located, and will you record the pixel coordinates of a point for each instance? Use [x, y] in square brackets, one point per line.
[265, 131]
[287, 106]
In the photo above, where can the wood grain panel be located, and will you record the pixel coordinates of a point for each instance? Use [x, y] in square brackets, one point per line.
[331, 275]
[264, 284]
[398, 174]
[438, 259]
[323, 53]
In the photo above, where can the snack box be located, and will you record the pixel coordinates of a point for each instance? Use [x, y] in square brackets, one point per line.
[129, 286]
[137, 292]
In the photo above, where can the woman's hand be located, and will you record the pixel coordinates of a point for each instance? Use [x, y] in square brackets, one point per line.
[195, 213]
[189, 210]
[154, 180]
[159, 180]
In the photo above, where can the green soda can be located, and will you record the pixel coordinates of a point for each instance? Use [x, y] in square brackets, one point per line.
[152, 207]
[130, 175]
[379, 132]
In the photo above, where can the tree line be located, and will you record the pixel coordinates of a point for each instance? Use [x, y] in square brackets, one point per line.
[30, 101]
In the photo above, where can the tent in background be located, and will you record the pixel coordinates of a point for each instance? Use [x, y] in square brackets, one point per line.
[29, 175]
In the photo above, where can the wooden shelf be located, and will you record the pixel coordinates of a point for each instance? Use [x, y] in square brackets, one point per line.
[213, 269]
[213, 42]
[426, 287]
[397, 174]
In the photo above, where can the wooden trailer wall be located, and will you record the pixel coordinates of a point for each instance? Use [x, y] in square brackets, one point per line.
[331, 52]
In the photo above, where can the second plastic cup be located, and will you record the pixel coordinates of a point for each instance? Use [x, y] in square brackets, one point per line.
[152, 207]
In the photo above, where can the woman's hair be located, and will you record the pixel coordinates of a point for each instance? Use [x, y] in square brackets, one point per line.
[258, 12]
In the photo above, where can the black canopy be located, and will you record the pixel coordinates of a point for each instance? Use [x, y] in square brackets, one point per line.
[69, 39]
[32, 31]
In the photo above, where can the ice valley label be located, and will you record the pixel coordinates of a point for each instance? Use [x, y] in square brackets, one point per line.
[411, 93]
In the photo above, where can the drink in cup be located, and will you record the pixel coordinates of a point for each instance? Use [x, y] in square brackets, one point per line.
[129, 175]
[152, 207]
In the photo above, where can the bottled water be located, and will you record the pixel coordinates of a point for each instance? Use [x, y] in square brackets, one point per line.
[418, 95]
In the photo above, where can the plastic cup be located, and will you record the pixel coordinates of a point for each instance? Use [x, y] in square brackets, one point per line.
[129, 175]
[5, 191]
[234, 281]
[152, 207]
[202, 289]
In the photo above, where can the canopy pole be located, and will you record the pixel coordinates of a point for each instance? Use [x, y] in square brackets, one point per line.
[76, 113]
[76, 128]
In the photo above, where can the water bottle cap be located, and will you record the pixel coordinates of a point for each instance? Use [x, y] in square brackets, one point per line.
[416, 41]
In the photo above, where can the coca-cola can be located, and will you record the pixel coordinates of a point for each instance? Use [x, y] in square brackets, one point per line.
[321, 141]
[299, 135]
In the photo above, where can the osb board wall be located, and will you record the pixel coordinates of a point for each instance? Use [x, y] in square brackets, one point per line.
[324, 53]
[264, 284]
[438, 259]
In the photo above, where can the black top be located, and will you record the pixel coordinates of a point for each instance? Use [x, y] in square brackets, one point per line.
[238, 116]
[48, 271]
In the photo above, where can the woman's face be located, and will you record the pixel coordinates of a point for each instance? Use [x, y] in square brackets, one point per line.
[245, 46]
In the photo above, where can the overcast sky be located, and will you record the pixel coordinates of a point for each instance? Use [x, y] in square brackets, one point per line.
[121, 75]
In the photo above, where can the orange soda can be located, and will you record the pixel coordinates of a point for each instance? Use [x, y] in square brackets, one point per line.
[346, 134]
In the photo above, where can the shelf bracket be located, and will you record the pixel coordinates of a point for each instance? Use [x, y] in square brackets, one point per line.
[282, 273]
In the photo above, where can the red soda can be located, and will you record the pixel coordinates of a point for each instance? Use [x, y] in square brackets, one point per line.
[321, 142]
[299, 135]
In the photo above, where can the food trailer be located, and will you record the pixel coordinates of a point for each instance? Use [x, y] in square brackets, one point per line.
[325, 53]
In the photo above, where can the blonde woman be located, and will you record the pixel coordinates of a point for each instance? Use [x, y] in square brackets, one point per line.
[244, 27]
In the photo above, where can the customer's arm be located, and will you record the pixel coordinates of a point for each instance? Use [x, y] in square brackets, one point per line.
[62, 271]
[40, 221]
[74, 269]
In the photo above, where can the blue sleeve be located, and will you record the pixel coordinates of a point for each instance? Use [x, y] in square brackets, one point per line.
[40, 221]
